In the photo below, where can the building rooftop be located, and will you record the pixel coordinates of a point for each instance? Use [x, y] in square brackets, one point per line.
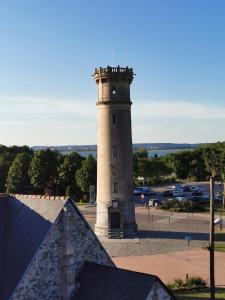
[24, 222]
[110, 283]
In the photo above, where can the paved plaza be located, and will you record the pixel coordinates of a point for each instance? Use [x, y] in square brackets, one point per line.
[167, 244]
[194, 262]
[158, 232]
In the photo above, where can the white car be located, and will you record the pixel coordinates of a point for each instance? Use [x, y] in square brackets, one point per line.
[218, 221]
[181, 199]
[178, 193]
[177, 186]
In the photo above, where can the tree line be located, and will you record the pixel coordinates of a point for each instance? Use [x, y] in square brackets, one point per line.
[23, 170]
[45, 172]
[192, 165]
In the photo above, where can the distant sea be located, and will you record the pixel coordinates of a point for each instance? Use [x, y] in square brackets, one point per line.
[160, 153]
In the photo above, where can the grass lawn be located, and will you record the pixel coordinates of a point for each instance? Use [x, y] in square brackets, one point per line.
[201, 294]
[219, 247]
[220, 236]
[82, 204]
[220, 241]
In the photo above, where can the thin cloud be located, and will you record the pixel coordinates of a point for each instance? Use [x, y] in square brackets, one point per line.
[75, 120]
[178, 110]
[40, 107]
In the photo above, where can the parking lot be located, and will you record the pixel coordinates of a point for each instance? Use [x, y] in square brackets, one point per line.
[201, 186]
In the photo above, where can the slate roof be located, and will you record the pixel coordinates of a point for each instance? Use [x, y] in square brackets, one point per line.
[102, 282]
[24, 223]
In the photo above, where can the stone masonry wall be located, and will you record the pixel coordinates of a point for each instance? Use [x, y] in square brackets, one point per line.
[44, 277]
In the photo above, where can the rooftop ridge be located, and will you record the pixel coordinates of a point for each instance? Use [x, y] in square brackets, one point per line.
[4, 195]
[44, 197]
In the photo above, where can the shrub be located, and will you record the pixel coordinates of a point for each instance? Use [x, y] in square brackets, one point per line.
[178, 283]
[195, 282]
[182, 206]
[83, 201]
[190, 283]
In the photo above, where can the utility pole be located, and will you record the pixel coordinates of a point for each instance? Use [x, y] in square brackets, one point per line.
[211, 241]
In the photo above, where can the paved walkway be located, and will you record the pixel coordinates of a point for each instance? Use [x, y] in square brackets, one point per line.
[159, 232]
[194, 262]
[161, 246]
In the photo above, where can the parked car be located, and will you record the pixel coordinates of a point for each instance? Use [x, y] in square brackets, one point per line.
[197, 193]
[177, 186]
[148, 191]
[199, 199]
[145, 190]
[181, 198]
[187, 188]
[138, 191]
[167, 193]
[194, 188]
[219, 197]
[205, 198]
[178, 193]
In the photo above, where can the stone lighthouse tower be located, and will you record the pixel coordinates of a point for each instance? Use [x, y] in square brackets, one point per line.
[115, 208]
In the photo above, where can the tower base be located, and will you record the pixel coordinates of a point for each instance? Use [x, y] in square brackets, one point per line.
[127, 231]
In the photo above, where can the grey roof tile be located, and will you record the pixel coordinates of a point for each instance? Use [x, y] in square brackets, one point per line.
[24, 223]
[103, 282]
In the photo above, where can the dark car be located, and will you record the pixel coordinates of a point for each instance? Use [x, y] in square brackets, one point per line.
[199, 199]
[148, 191]
[187, 189]
[167, 193]
[197, 193]
[145, 190]
[218, 197]
[138, 191]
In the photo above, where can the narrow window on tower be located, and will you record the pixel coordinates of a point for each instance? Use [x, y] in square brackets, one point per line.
[114, 151]
[113, 91]
[113, 119]
[115, 187]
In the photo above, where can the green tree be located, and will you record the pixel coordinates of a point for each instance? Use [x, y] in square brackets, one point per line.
[141, 152]
[197, 169]
[140, 161]
[214, 158]
[5, 162]
[43, 171]
[179, 163]
[7, 155]
[87, 174]
[18, 179]
[67, 171]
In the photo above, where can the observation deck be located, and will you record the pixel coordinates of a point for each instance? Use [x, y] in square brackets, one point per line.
[113, 72]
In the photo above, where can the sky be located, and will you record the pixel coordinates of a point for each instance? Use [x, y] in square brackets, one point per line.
[50, 48]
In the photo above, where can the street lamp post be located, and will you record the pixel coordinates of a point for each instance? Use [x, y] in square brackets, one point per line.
[211, 241]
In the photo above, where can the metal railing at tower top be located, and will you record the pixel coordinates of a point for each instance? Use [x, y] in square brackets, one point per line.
[110, 70]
